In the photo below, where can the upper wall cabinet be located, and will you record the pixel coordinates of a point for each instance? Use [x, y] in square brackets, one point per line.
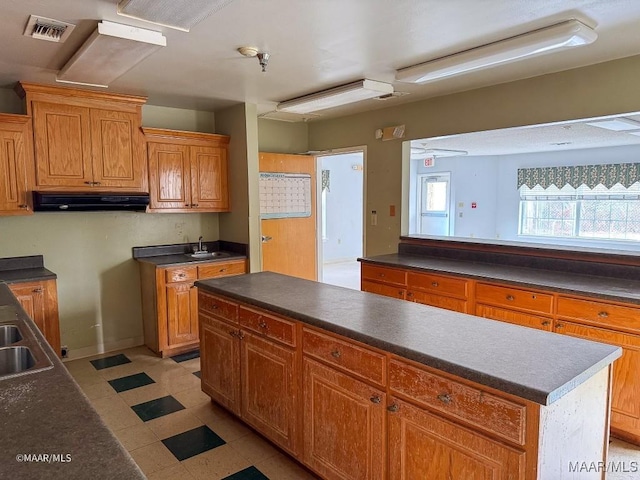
[16, 165]
[187, 171]
[86, 140]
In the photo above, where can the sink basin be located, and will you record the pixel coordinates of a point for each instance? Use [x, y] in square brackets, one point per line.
[15, 360]
[207, 254]
[9, 334]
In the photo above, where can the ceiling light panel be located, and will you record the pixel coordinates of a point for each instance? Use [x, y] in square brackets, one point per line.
[616, 124]
[558, 37]
[110, 51]
[178, 14]
[335, 97]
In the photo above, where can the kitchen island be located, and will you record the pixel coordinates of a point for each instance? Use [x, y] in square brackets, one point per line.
[49, 428]
[356, 385]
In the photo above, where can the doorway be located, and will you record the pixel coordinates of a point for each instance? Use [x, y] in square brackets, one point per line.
[340, 218]
[434, 197]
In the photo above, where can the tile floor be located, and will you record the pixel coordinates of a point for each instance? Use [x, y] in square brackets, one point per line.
[171, 429]
[343, 274]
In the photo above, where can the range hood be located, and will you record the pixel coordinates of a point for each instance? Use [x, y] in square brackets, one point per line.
[89, 202]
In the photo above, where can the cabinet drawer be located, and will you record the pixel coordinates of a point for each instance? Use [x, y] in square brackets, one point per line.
[455, 287]
[217, 307]
[268, 325]
[440, 301]
[181, 274]
[605, 314]
[384, 274]
[220, 269]
[382, 289]
[514, 298]
[355, 359]
[497, 415]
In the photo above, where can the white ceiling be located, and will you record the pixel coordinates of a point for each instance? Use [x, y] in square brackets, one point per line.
[314, 45]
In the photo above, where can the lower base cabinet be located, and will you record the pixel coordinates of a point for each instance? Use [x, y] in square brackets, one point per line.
[348, 411]
[40, 300]
[345, 425]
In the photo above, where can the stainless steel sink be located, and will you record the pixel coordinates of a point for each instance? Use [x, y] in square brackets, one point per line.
[207, 254]
[9, 334]
[15, 360]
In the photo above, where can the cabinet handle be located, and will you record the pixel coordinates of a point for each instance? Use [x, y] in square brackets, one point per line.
[262, 324]
[603, 314]
[559, 325]
[240, 334]
[181, 275]
[393, 408]
[375, 399]
[194, 204]
[37, 290]
[511, 298]
[222, 270]
[400, 292]
[434, 284]
[233, 333]
[445, 398]
[96, 183]
[545, 322]
[409, 294]
[336, 354]
[381, 275]
[23, 206]
[187, 204]
[88, 183]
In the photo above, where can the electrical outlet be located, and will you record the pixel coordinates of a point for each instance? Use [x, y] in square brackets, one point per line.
[374, 218]
[64, 351]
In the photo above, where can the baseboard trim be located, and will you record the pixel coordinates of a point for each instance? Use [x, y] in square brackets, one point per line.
[76, 353]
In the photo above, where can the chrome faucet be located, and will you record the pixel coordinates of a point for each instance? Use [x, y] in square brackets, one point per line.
[200, 243]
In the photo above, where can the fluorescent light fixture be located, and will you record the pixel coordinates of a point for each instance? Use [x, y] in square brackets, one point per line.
[178, 14]
[441, 152]
[108, 53]
[616, 124]
[335, 97]
[561, 36]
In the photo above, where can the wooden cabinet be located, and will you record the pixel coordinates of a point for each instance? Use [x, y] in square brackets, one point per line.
[170, 303]
[345, 425]
[423, 445]
[16, 165]
[40, 300]
[625, 406]
[86, 140]
[250, 366]
[187, 171]
[438, 291]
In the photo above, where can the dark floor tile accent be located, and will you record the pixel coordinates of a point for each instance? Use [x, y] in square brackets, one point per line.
[183, 357]
[250, 473]
[130, 382]
[107, 362]
[157, 408]
[197, 374]
[193, 442]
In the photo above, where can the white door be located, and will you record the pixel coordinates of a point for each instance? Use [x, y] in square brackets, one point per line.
[433, 204]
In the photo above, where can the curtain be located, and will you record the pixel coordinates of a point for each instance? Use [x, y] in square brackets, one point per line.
[625, 174]
[326, 180]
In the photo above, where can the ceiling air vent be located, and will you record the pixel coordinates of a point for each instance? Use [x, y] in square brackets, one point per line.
[43, 28]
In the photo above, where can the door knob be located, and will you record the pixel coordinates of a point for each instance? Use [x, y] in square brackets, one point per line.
[266, 238]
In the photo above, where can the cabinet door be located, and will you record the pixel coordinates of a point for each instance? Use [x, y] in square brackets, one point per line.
[382, 289]
[169, 176]
[344, 425]
[14, 147]
[423, 445]
[625, 407]
[116, 144]
[209, 178]
[40, 301]
[269, 393]
[182, 314]
[517, 318]
[62, 135]
[220, 362]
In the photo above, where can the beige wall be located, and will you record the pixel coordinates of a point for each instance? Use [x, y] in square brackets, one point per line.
[275, 136]
[98, 282]
[178, 119]
[242, 225]
[10, 102]
[607, 88]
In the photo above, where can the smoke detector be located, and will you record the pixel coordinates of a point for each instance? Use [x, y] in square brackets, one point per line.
[43, 28]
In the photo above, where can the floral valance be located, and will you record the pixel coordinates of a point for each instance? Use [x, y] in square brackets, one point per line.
[326, 180]
[625, 174]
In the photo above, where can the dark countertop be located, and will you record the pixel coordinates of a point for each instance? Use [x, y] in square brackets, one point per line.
[46, 413]
[531, 364]
[608, 288]
[24, 269]
[177, 254]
